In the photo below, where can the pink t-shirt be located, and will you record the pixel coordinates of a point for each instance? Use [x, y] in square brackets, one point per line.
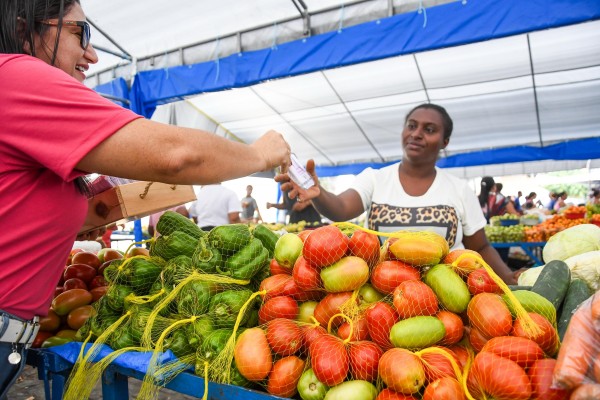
[50, 121]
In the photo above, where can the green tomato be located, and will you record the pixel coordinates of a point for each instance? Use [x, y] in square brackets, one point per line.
[287, 249]
[352, 390]
[310, 388]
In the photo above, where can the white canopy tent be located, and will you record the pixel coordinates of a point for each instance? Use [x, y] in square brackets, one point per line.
[534, 89]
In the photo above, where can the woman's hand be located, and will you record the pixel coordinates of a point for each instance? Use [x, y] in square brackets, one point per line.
[296, 191]
[274, 150]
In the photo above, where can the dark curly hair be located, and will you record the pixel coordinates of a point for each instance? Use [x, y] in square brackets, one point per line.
[446, 120]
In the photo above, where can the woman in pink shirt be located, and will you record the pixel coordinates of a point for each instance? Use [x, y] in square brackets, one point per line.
[55, 130]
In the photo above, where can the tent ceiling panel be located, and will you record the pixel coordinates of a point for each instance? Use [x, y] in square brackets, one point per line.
[569, 47]
[476, 89]
[311, 113]
[375, 79]
[487, 121]
[297, 93]
[571, 111]
[392, 101]
[244, 101]
[568, 77]
[477, 62]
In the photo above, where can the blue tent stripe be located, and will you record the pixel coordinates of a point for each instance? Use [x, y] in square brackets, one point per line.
[583, 149]
[447, 25]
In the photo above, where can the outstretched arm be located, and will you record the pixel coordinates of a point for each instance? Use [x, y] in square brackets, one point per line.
[164, 153]
[342, 207]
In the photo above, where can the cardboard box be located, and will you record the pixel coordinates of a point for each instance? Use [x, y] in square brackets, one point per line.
[132, 201]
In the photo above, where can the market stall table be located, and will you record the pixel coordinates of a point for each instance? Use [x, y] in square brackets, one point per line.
[55, 370]
[532, 249]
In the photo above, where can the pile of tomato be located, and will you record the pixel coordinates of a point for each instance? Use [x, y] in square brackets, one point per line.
[81, 284]
[347, 318]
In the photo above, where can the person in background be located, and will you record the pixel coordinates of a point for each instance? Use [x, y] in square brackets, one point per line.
[395, 196]
[560, 201]
[153, 218]
[486, 190]
[216, 205]
[517, 202]
[55, 131]
[594, 197]
[250, 207]
[530, 201]
[552, 202]
[298, 211]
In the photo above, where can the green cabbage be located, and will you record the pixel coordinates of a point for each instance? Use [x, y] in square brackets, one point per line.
[528, 277]
[575, 240]
[586, 266]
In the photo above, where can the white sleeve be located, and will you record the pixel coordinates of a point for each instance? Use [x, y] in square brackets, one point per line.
[364, 185]
[474, 218]
[234, 204]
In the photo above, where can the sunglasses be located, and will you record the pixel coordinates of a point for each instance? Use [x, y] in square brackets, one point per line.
[85, 30]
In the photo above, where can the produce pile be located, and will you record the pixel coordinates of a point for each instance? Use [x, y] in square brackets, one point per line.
[329, 314]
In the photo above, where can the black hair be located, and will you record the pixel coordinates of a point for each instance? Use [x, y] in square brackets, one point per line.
[446, 120]
[487, 183]
[19, 21]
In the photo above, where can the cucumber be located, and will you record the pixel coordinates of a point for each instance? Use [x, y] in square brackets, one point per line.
[553, 282]
[578, 292]
[519, 287]
[533, 302]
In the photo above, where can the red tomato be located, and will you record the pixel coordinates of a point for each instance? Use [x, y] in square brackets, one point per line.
[278, 307]
[488, 313]
[461, 353]
[277, 269]
[304, 234]
[98, 292]
[444, 388]
[58, 290]
[310, 333]
[470, 261]
[284, 336]
[278, 285]
[500, 377]
[438, 365]
[69, 300]
[40, 338]
[305, 275]
[329, 306]
[71, 254]
[389, 394]
[74, 283]
[78, 316]
[252, 354]
[50, 322]
[540, 374]
[87, 258]
[380, 319]
[364, 360]
[454, 327]
[365, 245]
[409, 378]
[520, 350]
[477, 339]
[307, 295]
[412, 298]
[97, 282]
[81, 271]
[329, 359]
[360, 331]
[387, 275]
[479, 281]
[284, 377]
[325, 245]
[547, 338]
